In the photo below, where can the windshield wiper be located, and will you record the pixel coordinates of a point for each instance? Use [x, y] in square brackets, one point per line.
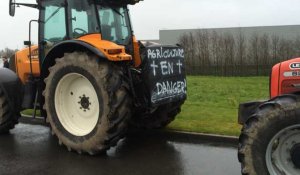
[119, 13]
[54, 13]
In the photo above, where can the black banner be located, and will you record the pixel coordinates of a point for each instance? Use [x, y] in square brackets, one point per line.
[164, 73]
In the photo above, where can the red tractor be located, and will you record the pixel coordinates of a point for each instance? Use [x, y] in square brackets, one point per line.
[270, 138]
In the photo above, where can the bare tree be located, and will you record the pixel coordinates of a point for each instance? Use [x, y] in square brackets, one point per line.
[275, 47]
[229, 46]
[264, 52]
[296, 47]
[285, 50]
[192, 50]
[215, 52]
[253, 50]
[185, 42]
[202, 42]
[7, 52]
[241, 52]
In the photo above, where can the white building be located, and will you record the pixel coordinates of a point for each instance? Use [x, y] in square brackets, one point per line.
[286, 32]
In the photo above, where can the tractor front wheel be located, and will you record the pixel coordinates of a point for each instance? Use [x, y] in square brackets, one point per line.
[270, 139]
[87, 103]
[8, 119]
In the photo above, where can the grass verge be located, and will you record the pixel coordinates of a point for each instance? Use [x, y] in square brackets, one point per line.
[212, 104]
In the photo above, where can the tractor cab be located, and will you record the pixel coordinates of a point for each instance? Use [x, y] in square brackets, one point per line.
[65, 20]
[102, 24]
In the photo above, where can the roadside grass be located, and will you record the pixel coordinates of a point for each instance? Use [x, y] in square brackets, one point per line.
[30, 112]
[212, 104]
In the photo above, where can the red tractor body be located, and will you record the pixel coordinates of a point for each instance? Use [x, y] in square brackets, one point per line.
[285, 78]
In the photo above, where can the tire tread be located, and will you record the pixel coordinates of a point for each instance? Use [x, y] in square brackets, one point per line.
[119, 102]
[274, 110]
[7, 118]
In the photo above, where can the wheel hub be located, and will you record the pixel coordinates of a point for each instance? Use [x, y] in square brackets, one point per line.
[283, 152]
[84, 102]
[295, 155]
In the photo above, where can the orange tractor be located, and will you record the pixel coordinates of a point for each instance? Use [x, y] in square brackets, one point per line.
[89, 76]
[270, 139]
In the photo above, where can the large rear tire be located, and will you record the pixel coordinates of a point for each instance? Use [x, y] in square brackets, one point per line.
[159, 118]
[270, 139]
[87, 103]
[12, 63]
[7, 118]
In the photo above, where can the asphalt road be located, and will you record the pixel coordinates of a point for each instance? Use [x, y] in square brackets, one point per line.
[31, 149]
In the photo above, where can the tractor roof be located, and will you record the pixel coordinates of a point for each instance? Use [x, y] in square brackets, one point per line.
[115, 2]
[122, 2]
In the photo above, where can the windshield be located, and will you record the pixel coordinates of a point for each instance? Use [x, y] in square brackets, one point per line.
[54, 21]
[115, 24]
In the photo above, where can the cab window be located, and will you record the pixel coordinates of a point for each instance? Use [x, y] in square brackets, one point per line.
[82, 18]
[115, 24]
[54, 21]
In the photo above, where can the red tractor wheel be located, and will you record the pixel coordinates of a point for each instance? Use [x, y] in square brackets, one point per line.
[270, 139]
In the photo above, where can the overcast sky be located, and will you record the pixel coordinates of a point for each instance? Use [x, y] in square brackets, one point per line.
[149, 16]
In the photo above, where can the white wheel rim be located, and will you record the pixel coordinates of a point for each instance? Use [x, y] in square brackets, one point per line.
[278, 158]
[76, 104]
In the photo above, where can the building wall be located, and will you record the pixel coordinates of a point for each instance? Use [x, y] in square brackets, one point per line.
[287, 32]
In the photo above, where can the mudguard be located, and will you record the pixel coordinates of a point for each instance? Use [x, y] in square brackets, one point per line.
[246, 110]
[12, 87]
[66, 47]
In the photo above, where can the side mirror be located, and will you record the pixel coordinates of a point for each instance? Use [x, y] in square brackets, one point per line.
[12, 7]
[27, 43]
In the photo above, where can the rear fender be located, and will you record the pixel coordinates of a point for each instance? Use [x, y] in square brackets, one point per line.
[89, 43]
[12, 87]
[69, 46]
[246, 110]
